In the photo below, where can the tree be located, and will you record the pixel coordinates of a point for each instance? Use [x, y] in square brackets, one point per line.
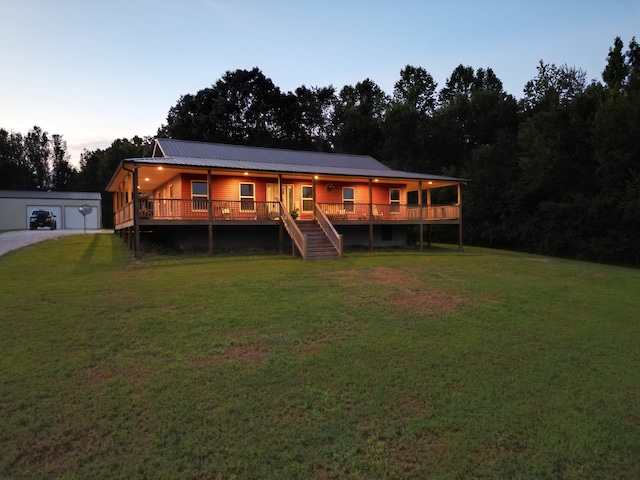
[358, 118]
[616, 71]
[555, 86]
[38, 154]
[15, 172]
[316, 106]
[407, 122]
[474, 109]
[97, 167]
[416, 89]
[633, 62]
[62, 174]
[243, 107]
[460, 83]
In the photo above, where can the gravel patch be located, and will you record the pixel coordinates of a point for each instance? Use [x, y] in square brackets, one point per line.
[21, 238]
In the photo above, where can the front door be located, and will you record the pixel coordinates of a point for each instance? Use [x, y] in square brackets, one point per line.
[287, 196]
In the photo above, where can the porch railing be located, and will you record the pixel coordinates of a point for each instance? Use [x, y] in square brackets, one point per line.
[388, 211]
[123, 214]
[334, 237]
[203, 209]
[297, 237]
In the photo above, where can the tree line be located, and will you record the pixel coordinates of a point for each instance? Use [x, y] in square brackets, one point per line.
[555, 172]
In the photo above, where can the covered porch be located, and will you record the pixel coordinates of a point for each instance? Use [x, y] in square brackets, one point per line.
[148, 194]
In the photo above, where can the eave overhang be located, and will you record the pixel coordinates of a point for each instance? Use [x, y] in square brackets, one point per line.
[268, 169]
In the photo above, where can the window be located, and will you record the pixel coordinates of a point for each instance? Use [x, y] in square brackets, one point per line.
[247, 197]
[199, 196]
[307, 198]
[394, 200]
[348, 198]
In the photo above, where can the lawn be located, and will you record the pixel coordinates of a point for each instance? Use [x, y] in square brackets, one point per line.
[393, 364]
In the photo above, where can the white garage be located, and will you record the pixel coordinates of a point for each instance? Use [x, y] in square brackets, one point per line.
[16, 207]
[75, 219]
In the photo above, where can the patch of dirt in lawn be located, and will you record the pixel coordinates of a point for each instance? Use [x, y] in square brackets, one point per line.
[100, 376]
[411, 405]
[254, 353]
[249, 352]
[403, 288]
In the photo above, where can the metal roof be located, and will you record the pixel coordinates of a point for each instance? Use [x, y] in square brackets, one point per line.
[260, 155]
[288, 168]
[39, 194]
[216, 155]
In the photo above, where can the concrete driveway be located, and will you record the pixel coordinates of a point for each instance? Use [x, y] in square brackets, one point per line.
[21, 238]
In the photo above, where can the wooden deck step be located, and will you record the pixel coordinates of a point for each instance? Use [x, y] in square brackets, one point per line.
[318, 245]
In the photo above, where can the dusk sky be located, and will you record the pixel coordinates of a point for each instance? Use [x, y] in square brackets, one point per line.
[97, 70]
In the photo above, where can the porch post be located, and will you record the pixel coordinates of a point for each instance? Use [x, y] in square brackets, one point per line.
[209, 212]
[370, 214]
[136, 226]
[313, 194]
[460, 246]
[281, 224]
[428, 212]
[420, 227]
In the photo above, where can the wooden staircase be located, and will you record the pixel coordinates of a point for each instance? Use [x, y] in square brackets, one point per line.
[318, 245]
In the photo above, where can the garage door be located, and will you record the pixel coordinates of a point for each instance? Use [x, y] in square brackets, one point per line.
[74, 219]
[57, 211]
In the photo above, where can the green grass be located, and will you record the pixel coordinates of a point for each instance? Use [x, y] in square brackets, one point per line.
[486, 364]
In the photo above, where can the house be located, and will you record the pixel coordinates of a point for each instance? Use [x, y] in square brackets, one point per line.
[250, 196]
[16, 207]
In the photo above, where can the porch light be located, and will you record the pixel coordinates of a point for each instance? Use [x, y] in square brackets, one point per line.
[146, 179]
[315, 177]
[375, 180]
[430, 182]
[160, 168]
[246, 173]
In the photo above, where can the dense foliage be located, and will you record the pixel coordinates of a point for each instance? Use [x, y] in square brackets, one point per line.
[555, 172]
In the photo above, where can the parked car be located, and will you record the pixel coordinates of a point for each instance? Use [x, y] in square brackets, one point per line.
[42, 218]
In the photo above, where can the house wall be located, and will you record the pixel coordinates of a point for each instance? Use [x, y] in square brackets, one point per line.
[163, 190]
[227, 188]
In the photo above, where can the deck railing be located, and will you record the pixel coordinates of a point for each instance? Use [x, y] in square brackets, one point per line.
[297, 237]
[203, 209]
[123, 214]
[388, 211]
[334, 237]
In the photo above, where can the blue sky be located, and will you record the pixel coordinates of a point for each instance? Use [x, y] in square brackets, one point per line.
[97, 70]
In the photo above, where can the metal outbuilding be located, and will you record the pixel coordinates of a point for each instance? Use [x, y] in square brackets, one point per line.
[16, 207]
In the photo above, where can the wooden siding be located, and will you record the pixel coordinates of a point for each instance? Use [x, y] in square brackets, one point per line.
[227, 188]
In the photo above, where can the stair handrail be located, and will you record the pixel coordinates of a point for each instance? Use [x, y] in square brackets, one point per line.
[298, 238]
[329, 230]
